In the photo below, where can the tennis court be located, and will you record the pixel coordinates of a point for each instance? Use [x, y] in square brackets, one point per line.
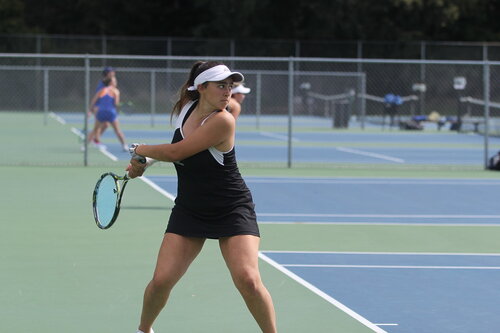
[367, 285]
[314, 142]
[360, 244]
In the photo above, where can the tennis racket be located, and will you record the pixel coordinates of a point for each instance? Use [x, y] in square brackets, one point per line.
[107, 196]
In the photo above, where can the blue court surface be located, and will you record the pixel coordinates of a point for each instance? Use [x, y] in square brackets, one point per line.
[387, 292]
[368, 200]
[403, 292]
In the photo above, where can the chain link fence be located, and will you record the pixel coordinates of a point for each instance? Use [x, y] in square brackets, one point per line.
[202, 47]
[289, 96]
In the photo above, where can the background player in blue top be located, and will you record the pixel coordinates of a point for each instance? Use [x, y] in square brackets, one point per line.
[104, 106]
[107, 73]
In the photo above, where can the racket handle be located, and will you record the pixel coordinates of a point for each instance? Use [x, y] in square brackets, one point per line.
[139, 158]
[145, 160]
[135, 156]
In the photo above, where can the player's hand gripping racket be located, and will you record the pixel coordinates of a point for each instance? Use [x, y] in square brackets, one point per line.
[108, 193]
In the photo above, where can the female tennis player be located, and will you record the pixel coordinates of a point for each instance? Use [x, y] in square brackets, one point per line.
[212, 201]
[107, 73]
[104, 105]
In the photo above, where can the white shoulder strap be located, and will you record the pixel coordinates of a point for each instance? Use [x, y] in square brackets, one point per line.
[206, 118]
[182, 114]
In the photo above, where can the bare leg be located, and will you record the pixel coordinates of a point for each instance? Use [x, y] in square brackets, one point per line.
[176, 254]
[241, 256]
[92, 134]
[100, 130]
[116, 126]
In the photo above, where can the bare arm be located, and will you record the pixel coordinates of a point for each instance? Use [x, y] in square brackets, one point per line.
[93, 101]
[217, 132]
[234, 108]
[117, 97]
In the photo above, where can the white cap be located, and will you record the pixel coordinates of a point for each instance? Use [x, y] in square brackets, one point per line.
[216, 73]
[240, 89]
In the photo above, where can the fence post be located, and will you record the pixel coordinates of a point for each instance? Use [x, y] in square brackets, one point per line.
[87, 106]
[153, 97]
[232, 52]
[423, 56]
[359, 68]
[104, 49]
[258, 102]
[486, 97]
[290, 108]
[45, 95]
[363, 101]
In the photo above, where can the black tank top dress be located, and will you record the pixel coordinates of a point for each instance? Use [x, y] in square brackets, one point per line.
[213, 200]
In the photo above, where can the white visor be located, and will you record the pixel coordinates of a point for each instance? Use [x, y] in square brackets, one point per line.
[215, 74]
[241, 89]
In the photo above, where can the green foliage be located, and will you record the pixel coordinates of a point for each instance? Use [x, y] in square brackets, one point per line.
[11, 16]
[461, 20]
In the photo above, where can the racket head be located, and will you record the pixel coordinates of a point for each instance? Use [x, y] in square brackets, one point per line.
[106, 199]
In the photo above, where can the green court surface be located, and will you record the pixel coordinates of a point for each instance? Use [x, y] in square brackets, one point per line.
[60, 273]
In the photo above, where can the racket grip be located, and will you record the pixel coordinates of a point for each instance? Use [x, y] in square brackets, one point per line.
[139, 158]
[135, 156]
[148, 161]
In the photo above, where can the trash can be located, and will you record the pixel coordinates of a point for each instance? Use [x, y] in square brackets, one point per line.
[341, 114]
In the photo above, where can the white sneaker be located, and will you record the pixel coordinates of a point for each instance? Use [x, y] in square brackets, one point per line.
[125, 148]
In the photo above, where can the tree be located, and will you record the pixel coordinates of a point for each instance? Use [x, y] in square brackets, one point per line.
[11, 17]
[402, 20]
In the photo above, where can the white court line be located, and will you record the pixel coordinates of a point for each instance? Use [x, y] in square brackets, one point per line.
[387, 324]
[394, 266]
[362, 181]
[413, 224]
[278, 136]
[158, 188]
[390, 253]
[103, 150]
[58, 118]
[108, 154]
[365, 153]
[387, 216]
[381, 181]
[322, 294]
[78, 133]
